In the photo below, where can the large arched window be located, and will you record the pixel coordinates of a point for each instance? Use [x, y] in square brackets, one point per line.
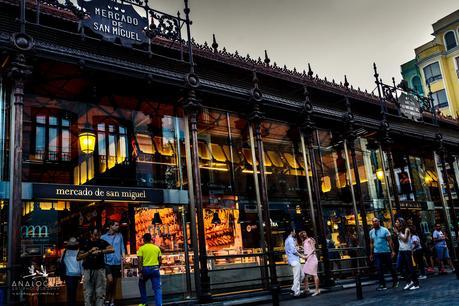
[450, 40]
[416, 84]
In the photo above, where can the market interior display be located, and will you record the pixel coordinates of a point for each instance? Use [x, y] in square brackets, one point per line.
[162, 224]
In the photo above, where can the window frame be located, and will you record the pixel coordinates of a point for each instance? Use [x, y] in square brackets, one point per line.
[445, 41]
[440, 105]
[47, 125]
[110, 122]
[432, 78]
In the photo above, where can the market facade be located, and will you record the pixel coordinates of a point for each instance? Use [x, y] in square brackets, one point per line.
[115, 116]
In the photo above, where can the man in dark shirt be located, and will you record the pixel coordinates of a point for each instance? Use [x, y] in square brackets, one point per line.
[92, 253]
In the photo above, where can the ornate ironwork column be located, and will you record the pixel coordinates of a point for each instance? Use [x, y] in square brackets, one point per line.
[450, 159]
[256, 118]
[386, 140]
[308, 129]
[441, 151]
[192, 109]
[306, 124]
[18, 72]
[351, 137]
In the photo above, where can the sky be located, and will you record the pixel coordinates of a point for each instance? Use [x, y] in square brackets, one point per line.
[337, 37]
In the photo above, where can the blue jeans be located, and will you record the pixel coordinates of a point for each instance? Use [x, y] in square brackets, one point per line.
[151, 273]
[383, 261]
[406, 267]
[72, 286]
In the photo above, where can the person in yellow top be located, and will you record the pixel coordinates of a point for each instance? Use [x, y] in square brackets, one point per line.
[149, 262]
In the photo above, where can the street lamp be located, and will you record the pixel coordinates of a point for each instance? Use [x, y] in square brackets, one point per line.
[87, 137]
[87, 140]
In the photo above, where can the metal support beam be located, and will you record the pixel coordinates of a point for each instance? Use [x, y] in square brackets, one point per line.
[328, 282]
[192, 109]
[442, 153]
[255, 119]
[18, 72]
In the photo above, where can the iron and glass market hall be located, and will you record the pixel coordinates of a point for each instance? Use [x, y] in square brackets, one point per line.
[109, 111]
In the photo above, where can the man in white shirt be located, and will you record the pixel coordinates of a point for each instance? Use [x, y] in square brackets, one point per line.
[293, 257]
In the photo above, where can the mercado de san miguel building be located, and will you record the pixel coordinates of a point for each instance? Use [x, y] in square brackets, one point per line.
[110, 111]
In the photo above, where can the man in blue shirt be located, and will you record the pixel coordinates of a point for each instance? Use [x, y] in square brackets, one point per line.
[113, 260]
[382, 252]
[293, 257]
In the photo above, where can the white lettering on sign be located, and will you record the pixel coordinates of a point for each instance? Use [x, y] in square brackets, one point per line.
[115, 24]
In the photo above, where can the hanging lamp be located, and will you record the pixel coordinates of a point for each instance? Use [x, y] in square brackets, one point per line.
[216, 219]
[87, 137]
[156, 219]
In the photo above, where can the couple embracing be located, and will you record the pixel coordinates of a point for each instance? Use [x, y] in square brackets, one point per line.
[309, 268]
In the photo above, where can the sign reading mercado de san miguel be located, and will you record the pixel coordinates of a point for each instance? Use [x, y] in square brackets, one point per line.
[115, 20]
[96, 193]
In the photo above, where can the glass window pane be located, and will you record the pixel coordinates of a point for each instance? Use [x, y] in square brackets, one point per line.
[41, 119]
[66, 144]
[101, 146]
[450, 40]
[52, 121]
[432, 72]
[39, 142]
[122, 149]
[111, 151]
[53, 144]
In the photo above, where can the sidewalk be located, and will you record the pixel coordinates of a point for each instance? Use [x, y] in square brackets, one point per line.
[442, 290]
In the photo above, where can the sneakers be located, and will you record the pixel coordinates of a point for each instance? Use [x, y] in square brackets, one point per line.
[408, 286]
[396, 284]
[142, 304]
[414, 287]
[317, 292]
[422, 277]
[430, 270]
[381, 288]
[442, 271]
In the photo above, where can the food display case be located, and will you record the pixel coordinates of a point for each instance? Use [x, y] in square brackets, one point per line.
[162, 224]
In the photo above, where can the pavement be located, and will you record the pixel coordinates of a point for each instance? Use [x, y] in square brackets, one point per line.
[438, 291]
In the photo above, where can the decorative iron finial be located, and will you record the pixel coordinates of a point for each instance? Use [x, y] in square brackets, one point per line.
[255, 93]
[214, 43]
[267, 60]
[346, 83]
[255, 79]
[310, 72]
[376, 75]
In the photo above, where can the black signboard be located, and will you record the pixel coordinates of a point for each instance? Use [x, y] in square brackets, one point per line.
[409, 106]
[96, 193]
[115, 21]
